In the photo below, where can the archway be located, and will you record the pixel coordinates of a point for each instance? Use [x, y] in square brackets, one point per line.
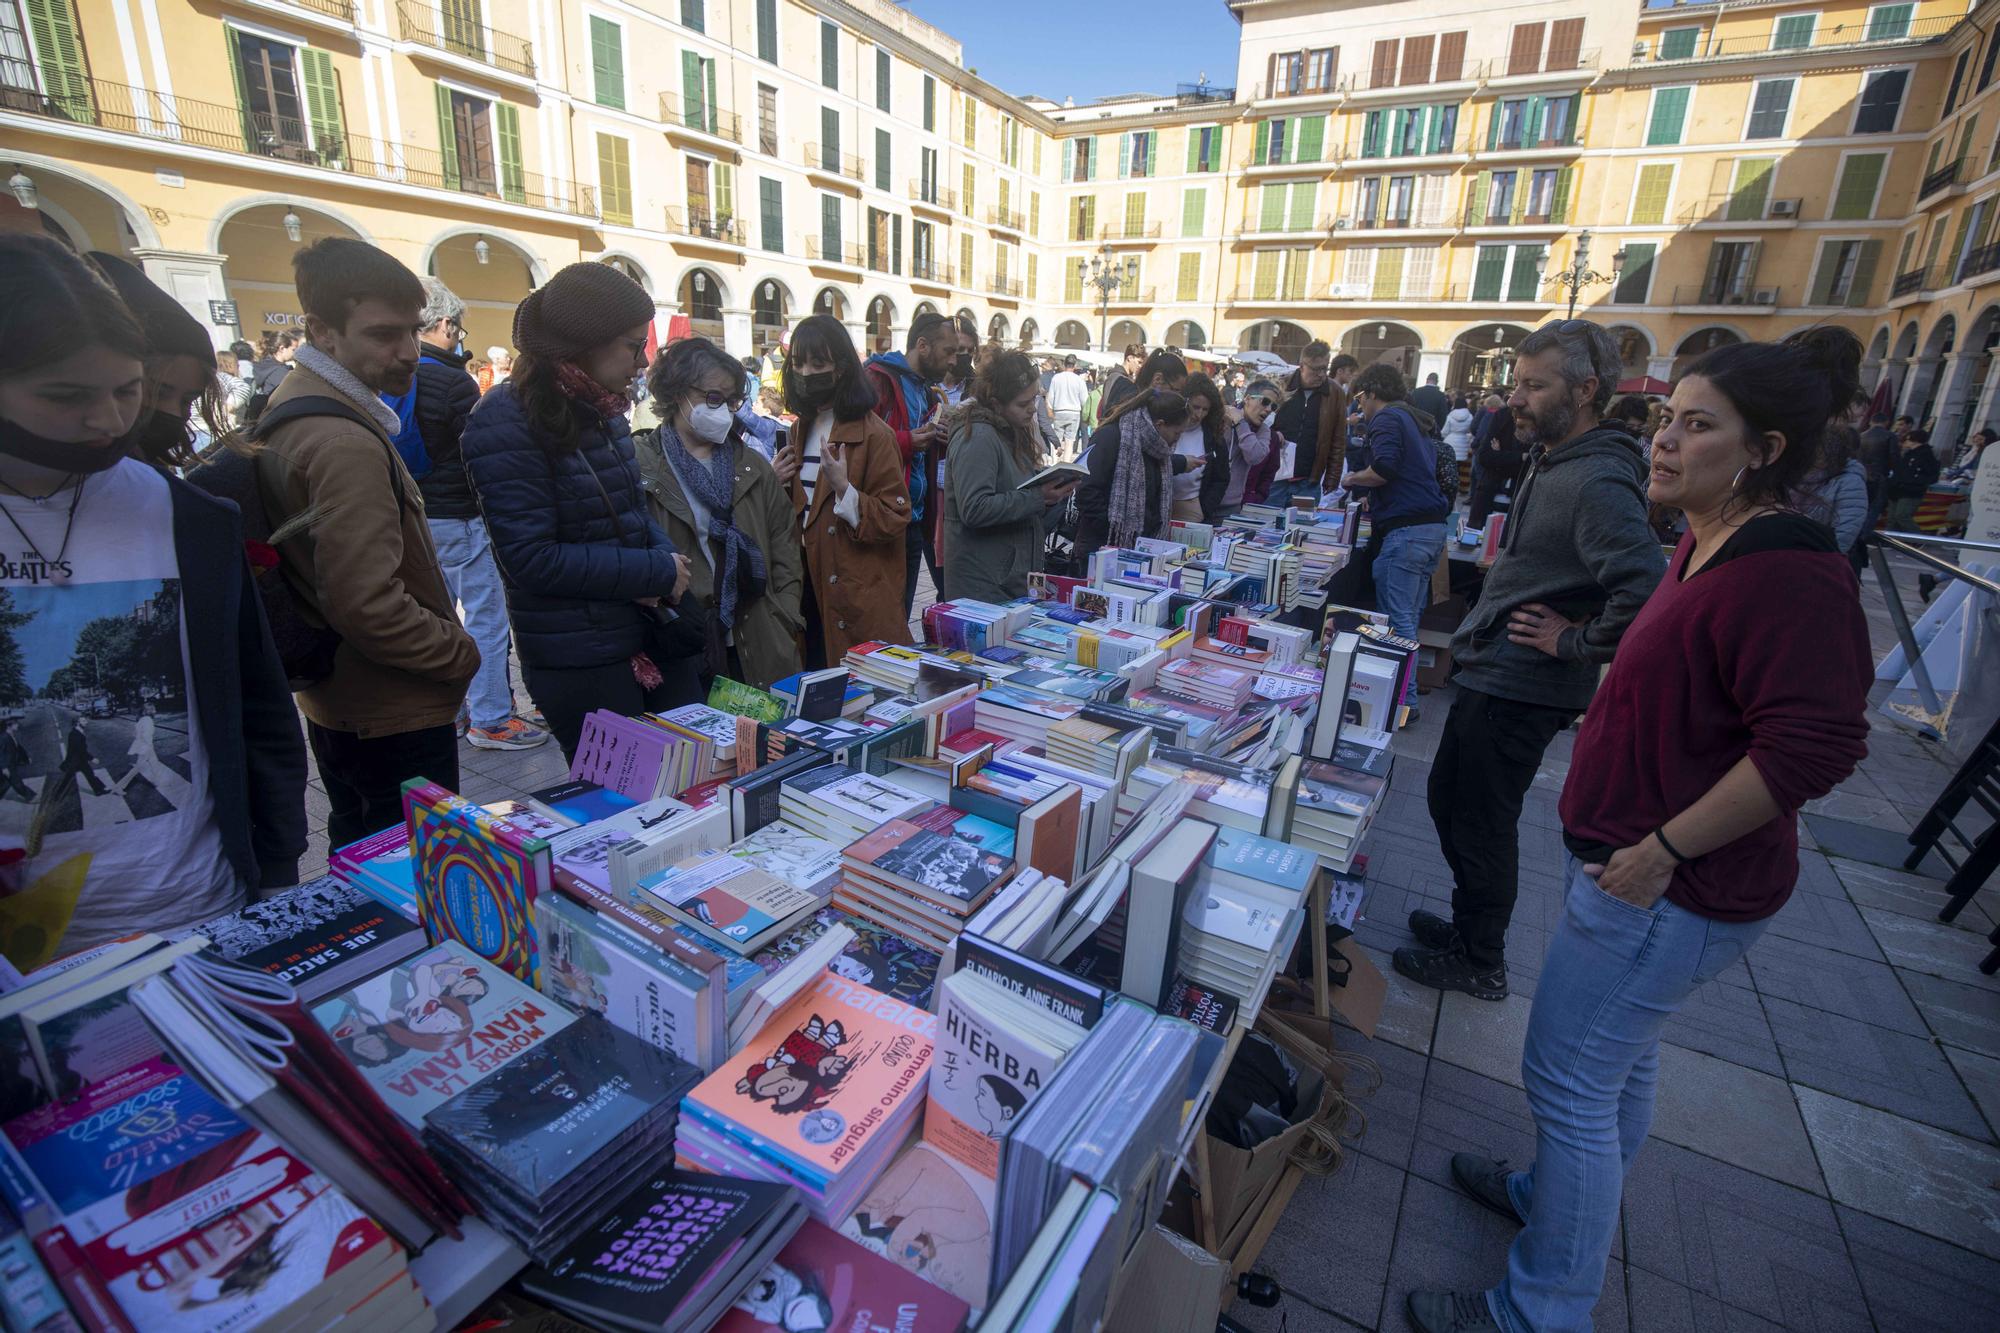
[1635, 350]
[1187, 335]
[1698, 342]
[1124, 333]
[996, 328]
[965, 316]
[260, 242]
[881, 324]
[1384, 341]
[1920, 400]
[1031, 333]
[770, 304]
[923, 308]
[830, 301]
[700, 296]
[1072, 333]
[1280, 337]
[1482, 358]
[1956, 411]
[78, 211]
[491, 274]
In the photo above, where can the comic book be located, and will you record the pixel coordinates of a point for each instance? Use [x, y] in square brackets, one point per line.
[478, 877]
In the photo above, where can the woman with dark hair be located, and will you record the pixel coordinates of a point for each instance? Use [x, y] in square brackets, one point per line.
[1967, 466]
[1252, 438]
[593, 584]
[208, 794]
[721, 503]
[1131, 459]
[851, 494]
[1201, 441]
[1738, 694]
[993, 530]
[1837, 491]
[181, 373]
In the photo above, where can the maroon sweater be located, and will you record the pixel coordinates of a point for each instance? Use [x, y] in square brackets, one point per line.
[1764, 652]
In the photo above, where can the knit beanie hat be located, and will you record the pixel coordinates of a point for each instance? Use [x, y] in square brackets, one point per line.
[585, 304]
[170, 330]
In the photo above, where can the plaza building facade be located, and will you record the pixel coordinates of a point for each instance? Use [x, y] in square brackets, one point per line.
[1418, 183]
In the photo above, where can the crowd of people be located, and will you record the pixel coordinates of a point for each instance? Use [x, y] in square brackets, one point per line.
[375, 532]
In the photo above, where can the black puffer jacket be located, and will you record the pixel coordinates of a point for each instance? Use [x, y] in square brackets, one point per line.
[571, 532]
[446, 396]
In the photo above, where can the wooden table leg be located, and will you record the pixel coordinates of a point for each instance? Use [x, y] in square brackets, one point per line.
[1316, 903]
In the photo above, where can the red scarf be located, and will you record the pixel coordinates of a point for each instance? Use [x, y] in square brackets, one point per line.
[577, 385]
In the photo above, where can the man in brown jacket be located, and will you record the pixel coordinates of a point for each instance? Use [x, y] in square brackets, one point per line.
[384, 713]
[1313, 420]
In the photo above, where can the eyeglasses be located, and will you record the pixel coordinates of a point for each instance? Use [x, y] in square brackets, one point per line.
[720, 398]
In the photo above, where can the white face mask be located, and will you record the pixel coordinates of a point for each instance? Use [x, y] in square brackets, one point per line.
[711, 424]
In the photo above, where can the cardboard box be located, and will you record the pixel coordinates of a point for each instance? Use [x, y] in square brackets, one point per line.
[1433, 667]
[1239, 1178]
[1171, 1285]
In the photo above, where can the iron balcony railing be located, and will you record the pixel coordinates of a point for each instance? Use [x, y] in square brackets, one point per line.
[705, 226]
[333, 9]
[1004, 286]
[1198, 94]
[1984, 259]
[1005, 217]
[824, 252]
[1749, 295]
[460, 36]
[1774, 42]
[929, 270]
[1129, 231]
[937, 196]
[701, 118]
[1508, 218]
[830, 160]
[1910, 283]
[126, 110]
[1938, 180]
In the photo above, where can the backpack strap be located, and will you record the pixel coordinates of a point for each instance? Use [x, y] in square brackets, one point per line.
[320, 405]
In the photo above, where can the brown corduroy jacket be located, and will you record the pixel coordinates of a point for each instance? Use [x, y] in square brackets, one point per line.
[858, 570]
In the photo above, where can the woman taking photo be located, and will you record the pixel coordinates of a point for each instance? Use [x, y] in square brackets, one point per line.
[993, 531]
[186, 709]
[1132, 461]
[591, 579]
[1737, 696]
[1201, 440]
[722, 505]
[1252, 439]
[851, 493]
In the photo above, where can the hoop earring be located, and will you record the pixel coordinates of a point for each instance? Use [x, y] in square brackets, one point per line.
[1736, 482]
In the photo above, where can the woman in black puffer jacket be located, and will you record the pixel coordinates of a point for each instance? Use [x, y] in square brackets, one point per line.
[592, 582]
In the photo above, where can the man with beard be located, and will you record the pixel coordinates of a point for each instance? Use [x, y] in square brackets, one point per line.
[1576, 564]
[906, 399]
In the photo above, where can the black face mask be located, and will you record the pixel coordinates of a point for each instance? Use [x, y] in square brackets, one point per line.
[816, 387]
[962, 367]
[158, 438]
[58, 455]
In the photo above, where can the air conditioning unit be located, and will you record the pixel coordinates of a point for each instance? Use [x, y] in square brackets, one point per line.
[1341, 224]
[1764, 296]
[1784, 208]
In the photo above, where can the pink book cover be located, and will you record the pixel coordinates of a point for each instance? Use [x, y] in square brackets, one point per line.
[621, 754]
[822, 1280]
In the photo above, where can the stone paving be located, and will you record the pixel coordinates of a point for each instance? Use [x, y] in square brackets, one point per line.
[1824, 1152]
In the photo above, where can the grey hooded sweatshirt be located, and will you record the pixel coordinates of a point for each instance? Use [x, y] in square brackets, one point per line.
[1576, 540]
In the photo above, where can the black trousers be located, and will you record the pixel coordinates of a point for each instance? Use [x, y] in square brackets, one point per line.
[566, 695]
[916, 550]
[1485, 763]
[364, 777]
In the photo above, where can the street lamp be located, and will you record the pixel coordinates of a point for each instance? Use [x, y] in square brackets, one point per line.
[294, 228]
[1578, 274]
[481, 251]
[1106, 275]
[23, 187]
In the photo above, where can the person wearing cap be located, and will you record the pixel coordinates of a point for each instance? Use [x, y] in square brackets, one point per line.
[592, 581]
[180, 368]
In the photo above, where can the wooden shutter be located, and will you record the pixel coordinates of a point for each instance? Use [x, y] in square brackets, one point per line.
[507, 126]
[1271, 88]
[1388, 285]
[1637, 274]
[693, 90]
[725, 194]
[883, 74]
[1399, 128]
[614, 179]
[1193, 150]
[1311, 138]
[1032, 288]
[1525, 55]
[1854, 198]
[771, 207]
[1299, 217]
[1194, 209]
[447, 137]
[1749, 188]
[1522, 181]
[1451, 57]
[930, 103]
[1090, 158]
[1863, 282]
[1153, 154]
[1271, 211]
[1524, 282]
[59, 52]
[607, 62]
[692, 15]
[1825, 273]
[1069, 159]
[1124, 156]
[1649, 195]
[1430, 201]
[829, 54]
[1565, 187]
[235, 57]
[1264, 282]
[965, 259]
[1531, 122]
[1262, 152]
[1382, 73]
[1669, 116]
[323, 105]
[1482, 190]
[1565, 43]
[1187, 286]
[829, 139]
[1417, 52]
[767, 30]
[884, 160]
[1135, 213]
[968, 186]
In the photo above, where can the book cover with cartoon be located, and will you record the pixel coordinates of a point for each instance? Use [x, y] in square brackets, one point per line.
[822, 1281]
[823, 1076]
[984, 1076]
[929, 1216]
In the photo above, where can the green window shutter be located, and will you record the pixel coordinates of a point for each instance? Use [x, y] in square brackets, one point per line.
[1124, 155]
[1264, 282]
[1388, 275]
[60, 54]
[323, 105]
[930, 103]
[1637, 273]
[1489, 272]
[1312, 138]
[1073, 281]
[1263, 149]
[1523, 284]
[1531, 124]
[1090, 159]
[1187, 285]
[1789, 34]
[725, 193]
[507, 128]
[1069, 159]
[1493, 128]
[710, 120]
[767, 30]
[829, 227]
[614, 179]
[447, 137]
[1865, 264]
[1890, 22]
[829, 55]
[1194, 210]
[607, 62]
[1300, 218]
[1854, 198]
[1958, 237]
[771, 208]
[829, 138]
[1271, 216]
[1399, 126]
[1749, 188]
[1824, 273]
[1153, 154]
[1669, 112]
[1193, 150]
[235, 73]
[884, 160]
[693, 90]
[1649, 196]
[1565, 186]
[1678, 44]
[1482, 190]
[1291, 136]
[1520, 209]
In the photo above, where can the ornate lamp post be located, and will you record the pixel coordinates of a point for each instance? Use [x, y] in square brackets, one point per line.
[1578, 274]
[1106, 275]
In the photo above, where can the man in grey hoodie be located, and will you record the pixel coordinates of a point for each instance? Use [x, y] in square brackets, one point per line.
[1576, 563]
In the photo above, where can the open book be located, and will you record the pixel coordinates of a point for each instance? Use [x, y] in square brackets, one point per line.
[1055, 472]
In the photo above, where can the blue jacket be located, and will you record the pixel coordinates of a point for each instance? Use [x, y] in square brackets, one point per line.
[1402, 453]
[571, 533]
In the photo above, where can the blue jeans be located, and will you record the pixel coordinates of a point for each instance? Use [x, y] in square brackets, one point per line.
[466, 556]
[1614, 974]
[1283, 492]
[1403, 570]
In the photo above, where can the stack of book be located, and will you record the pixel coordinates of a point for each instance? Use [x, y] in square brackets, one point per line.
[918, 882]
[539, 1143]
[1103, 748]
[1335, 807]
[837, 804]
[319, 936]
[1224, 686]
[615, 853]
[729, 900]
[381, 867]
[1247, 908]
[792, 855]
[640, 757]
[820, 1097]
[822, 1280]
[1022, 715]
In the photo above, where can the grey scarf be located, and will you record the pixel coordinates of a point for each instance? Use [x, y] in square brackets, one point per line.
[1138, 440]
[713, 483]
[343, 379]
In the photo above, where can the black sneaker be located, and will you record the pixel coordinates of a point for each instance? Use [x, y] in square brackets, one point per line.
[1485, 1179]
[1450, 969]
[1452, 1312]
[1433, 931]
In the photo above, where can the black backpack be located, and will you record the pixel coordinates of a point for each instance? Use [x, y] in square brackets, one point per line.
[306, 643]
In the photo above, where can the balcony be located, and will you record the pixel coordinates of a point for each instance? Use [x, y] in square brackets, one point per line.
[1983, 260]
[1751, 45]
[828, 161]
[933, 198]
[1272, 295]
[1201, 94]
[1750, 211]
[1553, 66]
[1508, 218]
[843, 256]
[701, 121]
[1132, 233]
[1130, 296]
[1008, 287]
[931, 272]
[466, 40]
[1909, 284]
[1940, 179]
[1329, 159]
[182, 121]
[331, 15]
[1295, 88]
[1006, 219]
[1744, 298]
[721, 229]
[1348, 157]
[1545, 143]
